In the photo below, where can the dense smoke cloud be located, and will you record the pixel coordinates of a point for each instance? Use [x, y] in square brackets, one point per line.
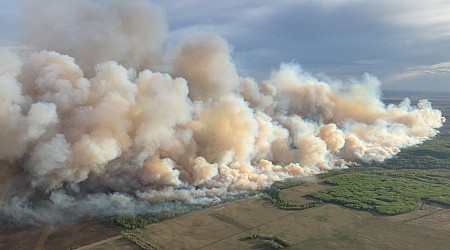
[89, 125]
[130, 32]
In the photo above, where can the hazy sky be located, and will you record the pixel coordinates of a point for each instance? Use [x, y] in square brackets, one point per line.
[405, 43]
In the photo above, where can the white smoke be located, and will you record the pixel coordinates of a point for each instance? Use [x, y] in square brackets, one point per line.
[90, 126]
[131, 32]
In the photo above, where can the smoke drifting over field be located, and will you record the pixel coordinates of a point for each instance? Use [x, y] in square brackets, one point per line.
[91, 124]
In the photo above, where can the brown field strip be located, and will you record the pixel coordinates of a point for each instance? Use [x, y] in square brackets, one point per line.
[230, 221]
[43, 238]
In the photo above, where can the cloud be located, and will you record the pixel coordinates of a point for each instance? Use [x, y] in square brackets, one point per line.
[429, 17]
[331, 37]
[414, 72]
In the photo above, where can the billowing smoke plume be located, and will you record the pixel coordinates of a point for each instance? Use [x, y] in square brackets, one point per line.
[89, 125]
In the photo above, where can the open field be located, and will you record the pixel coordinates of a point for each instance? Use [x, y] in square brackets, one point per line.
[426, 215]
[326, 226]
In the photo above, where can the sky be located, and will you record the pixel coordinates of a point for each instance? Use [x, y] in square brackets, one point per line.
[404, 43]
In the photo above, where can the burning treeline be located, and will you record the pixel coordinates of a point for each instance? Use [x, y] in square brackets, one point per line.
[93, 122]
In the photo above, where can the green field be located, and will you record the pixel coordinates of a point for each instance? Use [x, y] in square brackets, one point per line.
[387, 192]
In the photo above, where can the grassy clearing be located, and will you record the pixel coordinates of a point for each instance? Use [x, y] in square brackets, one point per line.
[273, 193]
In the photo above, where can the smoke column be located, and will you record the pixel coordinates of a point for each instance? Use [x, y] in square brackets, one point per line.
[90, 125]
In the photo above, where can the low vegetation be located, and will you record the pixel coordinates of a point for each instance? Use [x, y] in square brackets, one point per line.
[131, 222]
[387, 192]
[273, 242]
[273, 193]
[140, 241]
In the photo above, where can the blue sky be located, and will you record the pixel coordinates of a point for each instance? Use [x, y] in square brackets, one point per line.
[405, 43]
[9, 10]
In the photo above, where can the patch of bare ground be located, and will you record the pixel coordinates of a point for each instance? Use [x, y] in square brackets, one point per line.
[51, 237]
[19, 238]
